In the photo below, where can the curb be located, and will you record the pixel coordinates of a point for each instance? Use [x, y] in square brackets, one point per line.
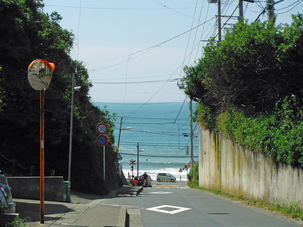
[122, 219]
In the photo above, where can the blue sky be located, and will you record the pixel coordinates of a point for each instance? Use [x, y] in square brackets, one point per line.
[135, 50]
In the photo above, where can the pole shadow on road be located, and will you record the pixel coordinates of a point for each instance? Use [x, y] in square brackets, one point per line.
[31, 211]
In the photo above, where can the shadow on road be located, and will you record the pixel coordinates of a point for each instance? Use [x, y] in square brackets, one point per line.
[31, 211]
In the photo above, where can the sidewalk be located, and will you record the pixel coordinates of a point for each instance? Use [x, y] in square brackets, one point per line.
[67, 214]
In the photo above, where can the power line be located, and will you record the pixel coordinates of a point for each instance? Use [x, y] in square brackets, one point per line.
[153, 144]
[141, 77]
[109, 8]
[173, 9]
[158, 156]
[154, 46]
[298, 2]
[138, 82]
[180, 110]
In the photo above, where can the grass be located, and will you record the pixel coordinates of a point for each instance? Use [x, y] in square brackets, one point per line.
[293, 210]
[19, 223]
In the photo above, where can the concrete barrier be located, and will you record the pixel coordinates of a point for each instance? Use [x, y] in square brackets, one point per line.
[236, 170]
[29, 187]
[130, 190]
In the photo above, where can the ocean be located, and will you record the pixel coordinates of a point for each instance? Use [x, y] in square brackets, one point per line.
[161, 131]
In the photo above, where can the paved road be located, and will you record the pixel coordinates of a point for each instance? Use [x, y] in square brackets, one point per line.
[174, 204]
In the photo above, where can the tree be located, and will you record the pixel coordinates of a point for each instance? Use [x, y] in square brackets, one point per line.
[249, 88]
[252, 69]
[26, 34]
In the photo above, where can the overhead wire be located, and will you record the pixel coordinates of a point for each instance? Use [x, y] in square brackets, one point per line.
[187, 47]
[78, 32]
[109, 8]
[125, 88]
[298, 2]
[180, 110]
[228, 19]
[138, 82]
[192, 23]
[173, 72]
[172, 9]
[141, 52]
[159, 156]
[202, 32]
[133, 55]
[197, 29]
[152, 47]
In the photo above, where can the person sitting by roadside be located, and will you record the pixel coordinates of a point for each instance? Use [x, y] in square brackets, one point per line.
[144, 175]
[135, 181]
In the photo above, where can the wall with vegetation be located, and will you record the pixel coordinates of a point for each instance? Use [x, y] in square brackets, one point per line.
[233, 169]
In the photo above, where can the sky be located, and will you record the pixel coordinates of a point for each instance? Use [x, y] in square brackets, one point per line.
[135, 50]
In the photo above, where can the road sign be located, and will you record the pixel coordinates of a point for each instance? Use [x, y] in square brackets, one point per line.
[120, 156]
[102, 140]
[132, 162]
[102, 128]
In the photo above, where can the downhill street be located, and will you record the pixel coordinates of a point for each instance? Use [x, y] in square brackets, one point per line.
[174, 204]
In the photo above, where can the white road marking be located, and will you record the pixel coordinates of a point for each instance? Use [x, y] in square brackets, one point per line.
[159, 193]
[162, 210]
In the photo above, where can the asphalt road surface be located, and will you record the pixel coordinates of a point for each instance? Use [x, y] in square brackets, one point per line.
[174, 204]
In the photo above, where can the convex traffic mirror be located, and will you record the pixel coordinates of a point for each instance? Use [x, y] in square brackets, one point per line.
[40, 74]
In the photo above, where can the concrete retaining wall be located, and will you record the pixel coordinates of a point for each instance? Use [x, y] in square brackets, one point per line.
[29, 188]
[233, 169]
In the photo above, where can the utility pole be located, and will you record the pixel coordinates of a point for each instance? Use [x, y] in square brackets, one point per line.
[118, 165]
[240, 9]
[71, 129]
[191, 135]
[182, 86]
[219, 20]
[270, 9]
[241, 14]
[137, 159]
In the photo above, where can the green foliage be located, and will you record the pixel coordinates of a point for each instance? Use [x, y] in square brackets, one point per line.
[31, 34]
[193, 176]
[206, 116]
[18, 222]
[278, 135]
[256, 66]
[217, 192]
[249, 88]
[293, 209]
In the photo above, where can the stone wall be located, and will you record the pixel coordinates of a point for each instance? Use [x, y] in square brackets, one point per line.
[233, 169]
[29, 187]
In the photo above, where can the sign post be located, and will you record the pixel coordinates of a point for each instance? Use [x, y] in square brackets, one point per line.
[102, 141]
[39, 76]
[132, 163]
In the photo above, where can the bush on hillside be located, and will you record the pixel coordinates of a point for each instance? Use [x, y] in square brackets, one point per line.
[193, 176]
[249, 87]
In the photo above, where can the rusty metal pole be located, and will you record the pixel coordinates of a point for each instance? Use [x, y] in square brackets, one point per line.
[42, 156]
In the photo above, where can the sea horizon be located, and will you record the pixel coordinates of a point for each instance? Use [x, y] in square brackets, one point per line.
[158, 131]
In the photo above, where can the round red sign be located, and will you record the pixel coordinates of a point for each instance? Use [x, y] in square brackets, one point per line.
[102, 128]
